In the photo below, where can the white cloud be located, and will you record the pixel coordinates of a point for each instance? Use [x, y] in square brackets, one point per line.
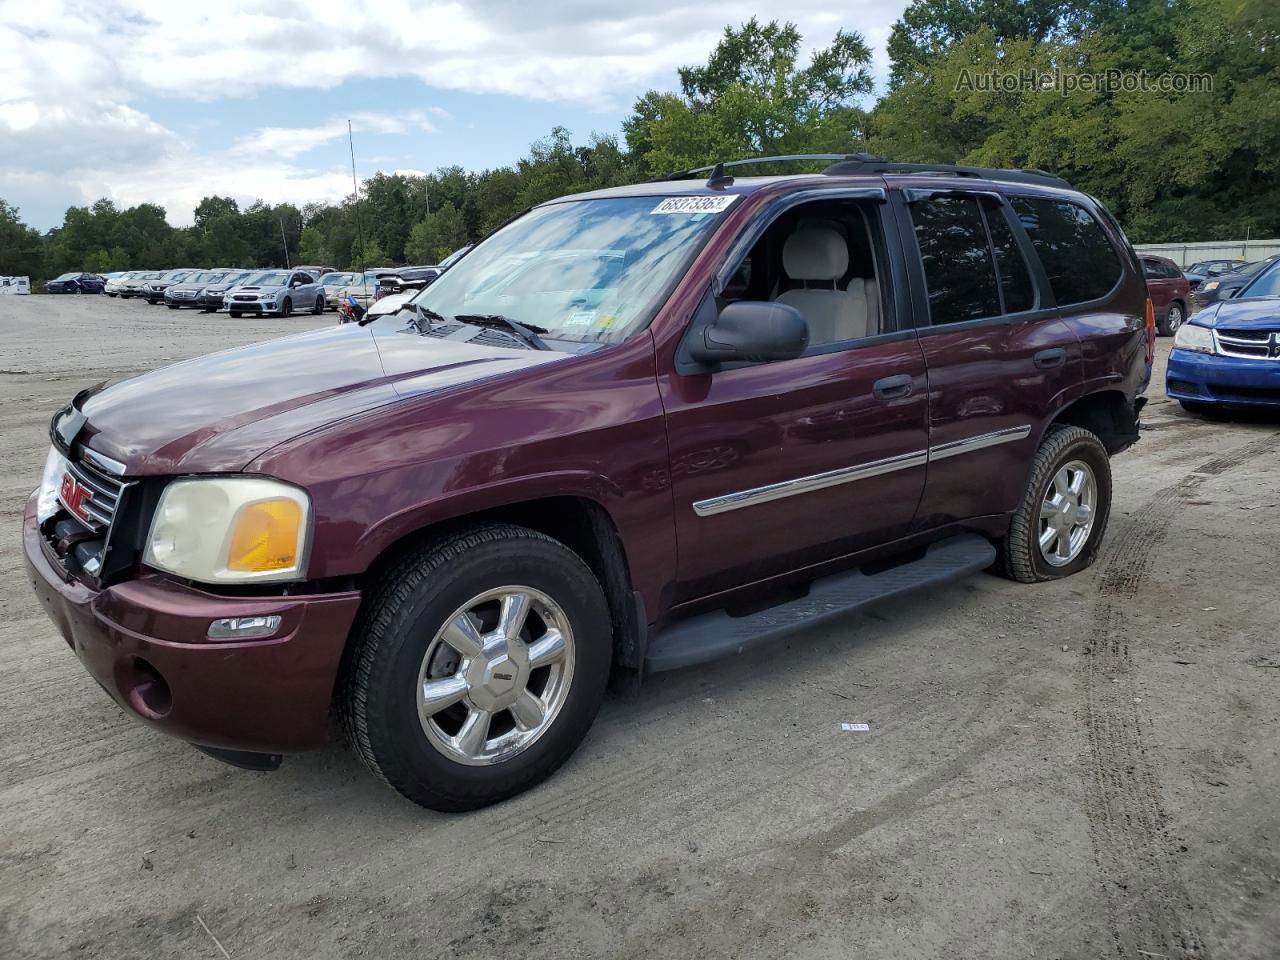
[71, 77]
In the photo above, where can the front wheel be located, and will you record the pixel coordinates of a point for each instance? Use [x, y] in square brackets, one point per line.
[286, 308]
[478, 667]
[318, 308]
[172, 306]
[235, 314]
[1058, 527]
[1172, 320]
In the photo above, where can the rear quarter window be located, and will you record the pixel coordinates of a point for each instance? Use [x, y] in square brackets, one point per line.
[1080, 261]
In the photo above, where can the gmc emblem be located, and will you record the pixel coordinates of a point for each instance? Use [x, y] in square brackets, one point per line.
[74, 495]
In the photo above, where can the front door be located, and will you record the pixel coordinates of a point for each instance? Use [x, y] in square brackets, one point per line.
[775, 466]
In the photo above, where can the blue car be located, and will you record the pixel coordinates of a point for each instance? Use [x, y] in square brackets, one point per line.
[1228, 355]
[76, 283]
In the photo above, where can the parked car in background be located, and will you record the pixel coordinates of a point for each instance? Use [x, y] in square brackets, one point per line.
[722, 412]
[153, 290]
[280, 292]
[408, 278]
[131, 285]
[1202, 270]
[186, 292]
[76, 283]
[15, 286]
[333, 284]
[114, 282]
[1227, 285]
[314, 270]
[364, 288]
[1228, 355]
[1169, 290]
[211, 294]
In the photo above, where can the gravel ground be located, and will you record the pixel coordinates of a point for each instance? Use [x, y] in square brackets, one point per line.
[1081, 769]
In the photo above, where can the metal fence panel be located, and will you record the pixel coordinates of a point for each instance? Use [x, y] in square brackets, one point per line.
[1185, 254]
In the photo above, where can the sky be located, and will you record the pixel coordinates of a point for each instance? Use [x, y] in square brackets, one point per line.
[167, 102]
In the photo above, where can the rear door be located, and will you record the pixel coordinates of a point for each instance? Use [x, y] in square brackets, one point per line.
[1159, 284]
[1000, 360]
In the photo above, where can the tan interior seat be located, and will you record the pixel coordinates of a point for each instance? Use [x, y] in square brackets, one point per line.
[820, 255]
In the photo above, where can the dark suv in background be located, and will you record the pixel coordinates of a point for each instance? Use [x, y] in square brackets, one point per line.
[633, 430]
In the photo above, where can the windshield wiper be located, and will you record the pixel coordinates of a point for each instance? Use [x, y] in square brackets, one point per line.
[526, 332]
[420, 313]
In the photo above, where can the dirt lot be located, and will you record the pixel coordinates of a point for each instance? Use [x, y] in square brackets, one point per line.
[1074, 770]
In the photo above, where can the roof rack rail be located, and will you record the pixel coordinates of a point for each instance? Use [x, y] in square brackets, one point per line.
[864, 163]
[718, 167]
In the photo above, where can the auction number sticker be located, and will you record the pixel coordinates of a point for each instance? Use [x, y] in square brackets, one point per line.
[715, 204]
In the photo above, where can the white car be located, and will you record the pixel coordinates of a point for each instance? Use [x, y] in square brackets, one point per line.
[334, 284]
[282, 292]
[15, 286]
[364, 287]
[116, 282]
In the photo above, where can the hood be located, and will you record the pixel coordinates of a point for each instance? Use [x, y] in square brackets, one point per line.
[1250, 312]
[256, 288]
[220, 412]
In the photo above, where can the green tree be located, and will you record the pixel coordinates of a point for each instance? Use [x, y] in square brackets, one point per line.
[436, 236]
[211, 207]
[369, 255]
[753, 97]
[21, 247]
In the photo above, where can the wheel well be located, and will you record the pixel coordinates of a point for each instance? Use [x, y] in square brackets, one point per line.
[1107, 414]
[580, 524]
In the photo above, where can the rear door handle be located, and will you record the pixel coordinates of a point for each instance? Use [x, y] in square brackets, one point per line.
[891, 388]
[1053, 357]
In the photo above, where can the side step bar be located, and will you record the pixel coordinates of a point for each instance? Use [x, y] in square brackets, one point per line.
[709, 636]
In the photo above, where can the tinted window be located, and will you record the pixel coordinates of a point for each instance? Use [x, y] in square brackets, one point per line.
[957, 260]
[1015, 278]
[1080, 261]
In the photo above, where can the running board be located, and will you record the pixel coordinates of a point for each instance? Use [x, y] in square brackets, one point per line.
[709, 636]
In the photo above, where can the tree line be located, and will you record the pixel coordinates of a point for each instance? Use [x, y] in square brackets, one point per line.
[1172, 165]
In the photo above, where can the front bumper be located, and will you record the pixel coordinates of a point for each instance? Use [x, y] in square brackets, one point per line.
[145, 642]
[1206, 378]
[252, 306]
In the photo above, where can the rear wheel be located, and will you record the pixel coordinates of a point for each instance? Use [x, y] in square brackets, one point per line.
[478, 667]
[1058, 527]
[1172, 319]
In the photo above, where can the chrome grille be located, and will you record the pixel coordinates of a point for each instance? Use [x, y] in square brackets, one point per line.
[98, 474]
[1249, 344]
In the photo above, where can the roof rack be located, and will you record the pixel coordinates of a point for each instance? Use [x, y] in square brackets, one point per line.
[853, 164]
[864, 163]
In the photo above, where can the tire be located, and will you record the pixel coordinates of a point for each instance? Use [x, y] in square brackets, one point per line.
[173, 306]
[1210, 410]
[319, 307]
[286, 308]
[1173, 319]
[235, 314]
[403, 624]
[1020, 555]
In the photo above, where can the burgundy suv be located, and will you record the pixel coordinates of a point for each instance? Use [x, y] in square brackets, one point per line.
[633, 430]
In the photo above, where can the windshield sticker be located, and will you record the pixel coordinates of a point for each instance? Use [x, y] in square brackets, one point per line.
[581, 318]
[695, 204]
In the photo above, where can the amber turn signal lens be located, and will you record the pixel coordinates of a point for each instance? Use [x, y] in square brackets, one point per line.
[265, 536]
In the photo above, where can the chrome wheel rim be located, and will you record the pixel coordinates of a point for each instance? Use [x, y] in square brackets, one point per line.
[496, 675]
[1067, 513]
[1175, 318]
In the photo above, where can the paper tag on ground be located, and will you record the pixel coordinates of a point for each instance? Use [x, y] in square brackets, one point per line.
[856, 727]
[695, 204]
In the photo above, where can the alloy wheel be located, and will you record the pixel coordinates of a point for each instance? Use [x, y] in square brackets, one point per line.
[1175, 318]
[495, 677]
[1067, 513]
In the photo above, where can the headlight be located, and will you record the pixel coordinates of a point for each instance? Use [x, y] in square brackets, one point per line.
[1211, 285]
[230, 530]
[55, 465]
[1194, 338]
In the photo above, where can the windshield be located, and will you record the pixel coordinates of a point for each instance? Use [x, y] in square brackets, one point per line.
[206, 277]
[176, 275]
[337, 279]
[1265, 284]
[585, 271]
[272, 278]
[66, 276]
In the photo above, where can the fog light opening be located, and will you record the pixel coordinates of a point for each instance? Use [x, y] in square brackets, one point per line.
[244, 628]
[149, 694]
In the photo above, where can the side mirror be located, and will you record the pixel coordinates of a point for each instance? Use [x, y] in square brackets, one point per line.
[752, 330]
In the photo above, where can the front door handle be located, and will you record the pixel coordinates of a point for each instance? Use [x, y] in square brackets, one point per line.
[891, 388]
[1053, 357]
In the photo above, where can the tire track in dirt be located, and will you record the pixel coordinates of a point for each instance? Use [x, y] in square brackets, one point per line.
[1149, 910]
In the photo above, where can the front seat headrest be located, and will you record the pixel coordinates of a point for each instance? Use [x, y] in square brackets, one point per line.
[815, 253]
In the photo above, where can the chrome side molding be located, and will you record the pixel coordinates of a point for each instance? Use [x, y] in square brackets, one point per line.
[862, 471]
